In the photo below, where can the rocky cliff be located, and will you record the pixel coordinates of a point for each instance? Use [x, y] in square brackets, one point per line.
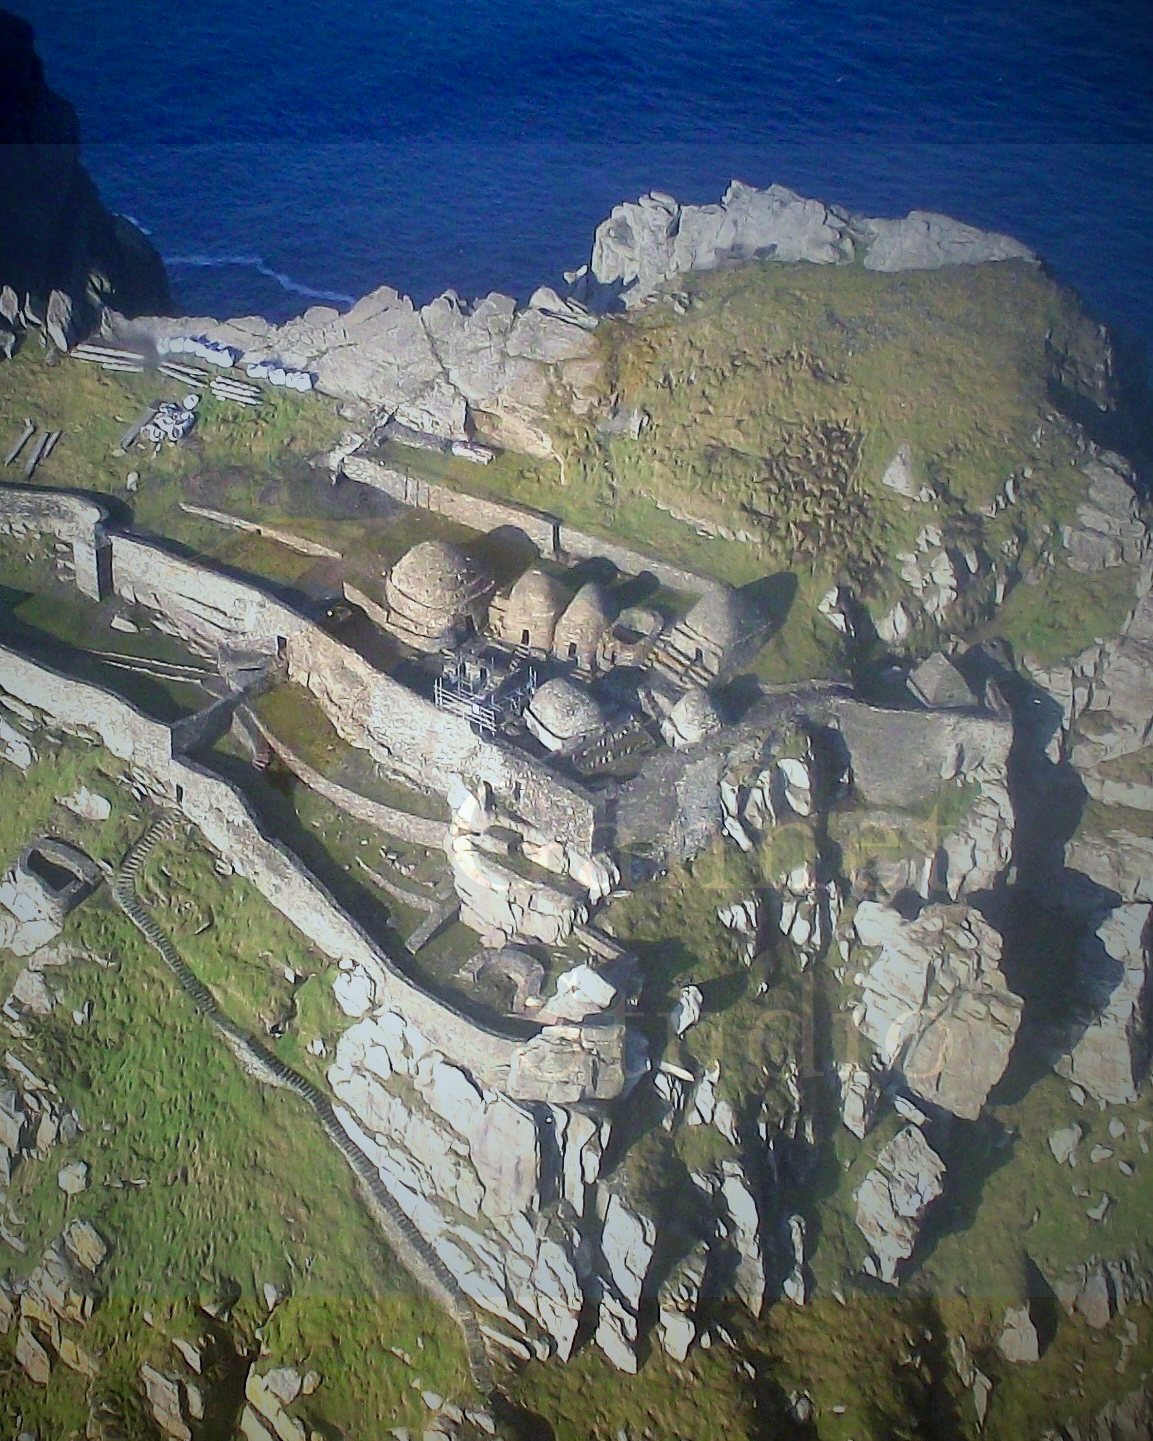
[56, 237]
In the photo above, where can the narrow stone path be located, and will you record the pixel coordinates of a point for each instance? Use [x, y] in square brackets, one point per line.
[414, 1252]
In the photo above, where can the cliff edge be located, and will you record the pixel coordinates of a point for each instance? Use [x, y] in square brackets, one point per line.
[55, 233]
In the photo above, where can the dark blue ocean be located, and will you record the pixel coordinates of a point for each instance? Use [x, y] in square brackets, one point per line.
[281, 152]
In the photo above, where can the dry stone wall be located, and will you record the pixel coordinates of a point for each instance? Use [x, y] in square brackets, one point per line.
[401, 730]
[561, 1063]
[71, 518]
[418, 829]
[548, 533]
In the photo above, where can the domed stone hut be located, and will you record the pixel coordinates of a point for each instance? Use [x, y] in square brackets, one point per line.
[562, 714]
[723, 630]
[528, 614]
[578, 632]
[435, 595]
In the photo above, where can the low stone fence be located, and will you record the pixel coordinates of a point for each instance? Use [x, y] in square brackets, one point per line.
[558, 1064]
[547, 532]
[408, 827]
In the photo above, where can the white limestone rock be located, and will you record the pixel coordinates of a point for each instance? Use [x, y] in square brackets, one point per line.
[894, 1196]
[796, 1283]
[938, 684]
[265, 1399]
[898, 474]
[32, 1356]
[616, 1334]
[1108, 530]
[73, 1178]
[745, 1234]
[580, 991]
[687, 1010]
[703, 1102]
[679, 1297]
[1063, 1144]
[166, 1402]
[354, 991]
[924, 240]
[627, 1242]
[644, 243]
[1116, 857]
[85, 1245]
[860, 1094]
[31, 993]
[505, 1151]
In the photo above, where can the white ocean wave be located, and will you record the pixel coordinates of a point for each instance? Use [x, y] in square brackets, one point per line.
[261, 266]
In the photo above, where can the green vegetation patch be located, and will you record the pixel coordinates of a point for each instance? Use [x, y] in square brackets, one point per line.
[205, 1183]
[1062, 611]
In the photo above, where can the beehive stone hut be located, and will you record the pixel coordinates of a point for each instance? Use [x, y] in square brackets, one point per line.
[578, 632]
[722, 631]
[435, 594]
[562, 714]
[528, 614]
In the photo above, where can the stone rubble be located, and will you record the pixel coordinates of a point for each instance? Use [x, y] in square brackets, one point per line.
[88, 805]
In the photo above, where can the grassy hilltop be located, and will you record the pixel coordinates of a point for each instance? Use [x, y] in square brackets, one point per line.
[770, 400]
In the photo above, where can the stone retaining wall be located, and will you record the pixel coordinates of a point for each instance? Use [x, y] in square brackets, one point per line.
[418, 829]
[559, 1064]
[547, 532]
[476, 511]
[402, 731]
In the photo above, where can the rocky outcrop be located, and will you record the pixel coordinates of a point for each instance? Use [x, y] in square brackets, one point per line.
[935, 1003]
[680, 1295]
[1105, 693]
[902, 757]
[62, 255]
[1098, 1289]
[643, 244]
[924, 240]
[1110, 1055]
[891, 1200]
[1108, 530]
[1114, 856]
[902, 760]
[1129, 1418]
[440, 370]
[1019, 1341]
[478, 1174]
[1111, 744]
